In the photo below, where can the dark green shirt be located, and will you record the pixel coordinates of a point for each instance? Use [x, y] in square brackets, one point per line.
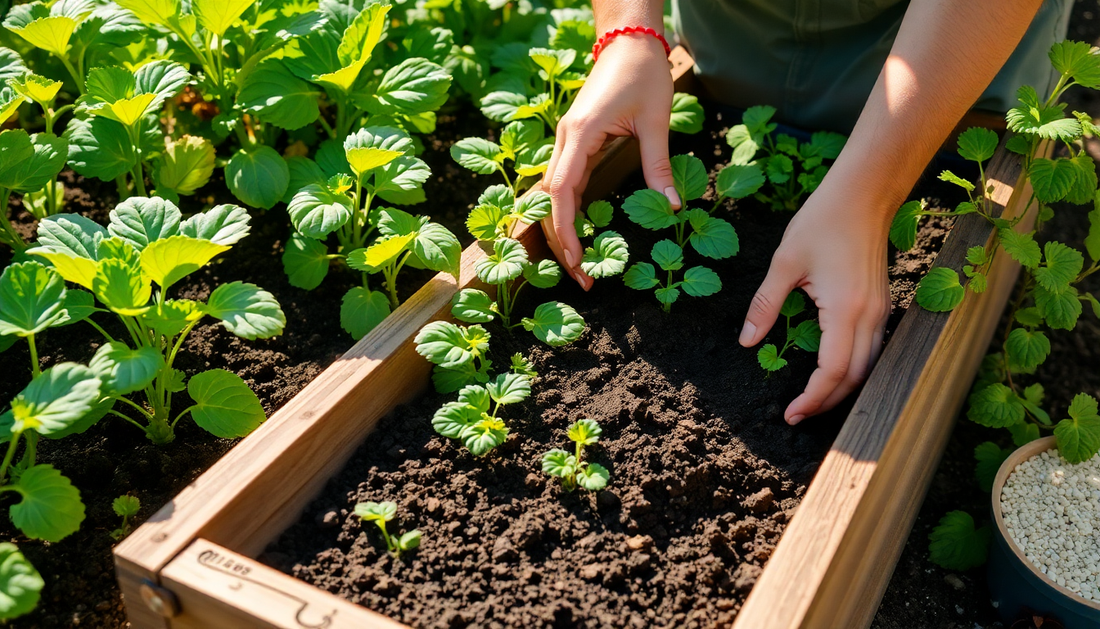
[817, 60]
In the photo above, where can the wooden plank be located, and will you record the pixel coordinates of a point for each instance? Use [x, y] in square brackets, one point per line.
[218, 588]
[833, 563]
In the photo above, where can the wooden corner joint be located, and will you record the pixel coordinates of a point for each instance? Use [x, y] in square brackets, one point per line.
[162, 601]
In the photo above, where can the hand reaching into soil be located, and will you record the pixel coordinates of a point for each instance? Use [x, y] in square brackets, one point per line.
[628, 93]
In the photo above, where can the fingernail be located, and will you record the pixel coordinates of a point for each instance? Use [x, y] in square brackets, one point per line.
[569, 261]
[794, 420]
[747, 334]
[673, 197]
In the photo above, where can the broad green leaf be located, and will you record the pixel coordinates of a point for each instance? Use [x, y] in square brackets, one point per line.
[940, 290]
[50, 509]
[738, 181]
[28, 163]
[744, 145]
[585, 432]
[123, 370]
[533, 206]
[246, 310]
[413, 86]
[606, 257]
[162, 78]
[51, 33]
[362, 310]
[534, 161]
[169, 260]
[317, 210]
[374, 147]
[11, 65]
[1033, 118]
[453, 417]
[712, 237]
[20, 583]
[593, 477]
[9, 103]
[769, 359]
[686, 115]
[699, 281]
[376, 512]
[154, 12]
[258, 176]
[481, 156]
[505, 263]
[1077, 60]
[185, 165]
[78, 305]
[224, 224]
[1026, 350]
[401, 181]
[903, 231]
[1023, 433]
[956, 544]
[668, 255]
[517, 136]
[758, 118]
[806, 335]
[1052, 179]
[555, 324]
[126, 506]
[303, 171]
[995, 406]
[217, 16]
[600, 213]
[122, 287]
[1084, 184]
[1060, 266]
[779, 169]
[31, 298]
[951, 177]
[793, 305]
[650, 209]
[542, 274]
[305, 261]
[436, 248]
[173, 316]
[1022, 247]
[100, 148]
[553, 62]
[641, 276]
[690, 177]
[356, 45]
[142, 220]
[55, 399]
[472, 306]
[382, 253]
[978, 144]
[509, 388]
[1029, 317]
[1060, 309]
[487, 222]
[989, 457]
[501, 105]
[1079, 436]
[559, 463]
[450, 346]
[224, 405]
[484, 435]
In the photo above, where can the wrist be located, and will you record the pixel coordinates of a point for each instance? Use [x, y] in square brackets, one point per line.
[652, 40]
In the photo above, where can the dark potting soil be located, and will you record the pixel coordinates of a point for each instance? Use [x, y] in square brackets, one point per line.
[704, 471]
[114, 458]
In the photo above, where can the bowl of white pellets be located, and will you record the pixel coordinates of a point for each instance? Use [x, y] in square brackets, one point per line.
[1045, 556]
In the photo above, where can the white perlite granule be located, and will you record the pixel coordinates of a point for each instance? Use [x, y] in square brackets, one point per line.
[1052, 511]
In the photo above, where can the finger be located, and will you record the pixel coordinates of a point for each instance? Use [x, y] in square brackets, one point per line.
[653, 141]
[564, 186]
[837, 339]
[769, 298]
[858, 367]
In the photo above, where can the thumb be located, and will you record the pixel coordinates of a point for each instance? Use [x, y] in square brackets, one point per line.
[653, 141]
[765, 306]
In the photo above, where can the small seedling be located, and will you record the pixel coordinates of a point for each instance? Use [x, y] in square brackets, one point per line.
[382, 512]
[571, 468]
[125, 507]
[805, 335]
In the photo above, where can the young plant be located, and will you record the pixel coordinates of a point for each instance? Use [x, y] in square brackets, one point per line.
[571, 468]
[524, 150]
[50, 198]
[145, 244]
[805, 335]
[125, 507]
[376, 164]
[793, 169]
[382, 512]
[609, 252]
[20, 583]
[28, 165]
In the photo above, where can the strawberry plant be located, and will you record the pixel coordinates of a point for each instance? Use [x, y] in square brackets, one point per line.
[48, 199]
[793, 169]
[29, 164]
[382, 512]
[571, 468]
[146, 244]
[20, 583]
[125, 507]
[806, 335]
[376, 164]
[609, 252]
[34, 298]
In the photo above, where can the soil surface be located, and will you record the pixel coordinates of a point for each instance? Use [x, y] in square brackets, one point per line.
[114, 458]
[704, 471]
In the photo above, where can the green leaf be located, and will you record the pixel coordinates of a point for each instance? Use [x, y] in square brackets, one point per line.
[779, 169]
[978, 144]
[484, 435]
[1060, 309]
[375, 511]
[171, 318]
[586, 432]
[593, 477]
[436, 248]
[304, 171]
[1023, 433]
[362, 310]
[668, 255]
[185, 165]
[903, 231]
[744, 145]
[126, 506]
[1077, 60]
[769, 359]
[20, 583]
[606, 257]
[600, 213]
[738, 181]
[559, 463]
[217, 16]
[224, 224]
[31, 299]
[509, 388]
[1092, 240]
[533, 206]
[72, 234]
[50, 509]
[501, 106]
[169, 260]
[1061, 266]
[123, 370]
[142, 220]
[78, 305]
[1079, 436]
[413, 86]
[28, 163]
[641, 276]
[712, 237]
[1084, 184]
[650, 209]
[305, 261]
[122, 287]
[246, 310]
[690, 177]
[409, 540]
[51, 33]
[806, 335]
[534, 161]
[382, 253]
[555, 324]
[793, 305]
[454, 417]
[506, 263]
[989, 457]
[667, 295]
[1052, 179]
[553, 62]
[940, 290]
[1094, 303]
[355, 48]
[481, 156]
[374, 147]
[100, 148]
[472, 306]
[258, 176]
[1048, 123]
[1026, 350]
[699, 281]
[224, 405]
[1029, 317]
[995, 406]
[156, 12]
[951, 177]
[519, 135]
[1022, 247]
[450, 346]
[487, 222]
[317, 210]
[687, 114]
[956, 544]
[56, 399]
[542, 274]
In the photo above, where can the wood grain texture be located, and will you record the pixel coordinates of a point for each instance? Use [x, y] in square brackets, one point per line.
[833, 563]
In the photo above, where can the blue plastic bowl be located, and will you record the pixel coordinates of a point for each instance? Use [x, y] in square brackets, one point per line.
[1016, 586]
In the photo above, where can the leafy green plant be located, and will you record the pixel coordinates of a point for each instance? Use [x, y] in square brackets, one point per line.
[806, 335]
[50, 198]
[20, 583]
[29, 164]
[957, 544]
[571, 468]
[145, 244]
[460, 354]
[793, 169]
[125, 507]
[524, 150]
[376, 164]
[34, 298]
[382, 512]
[609, 253]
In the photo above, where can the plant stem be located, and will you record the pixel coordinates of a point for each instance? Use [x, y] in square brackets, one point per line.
[36, 370]
[8, 456]
[9, 234]
[78, 77]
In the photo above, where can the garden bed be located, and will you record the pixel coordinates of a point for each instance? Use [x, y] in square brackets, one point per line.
[193, 564]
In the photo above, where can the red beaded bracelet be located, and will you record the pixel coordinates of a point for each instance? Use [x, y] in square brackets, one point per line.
[608, 36]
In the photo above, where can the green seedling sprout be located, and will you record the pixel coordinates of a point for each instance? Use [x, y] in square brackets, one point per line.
[382, 512]
[571, 468]
[125, 507]
[805, 335]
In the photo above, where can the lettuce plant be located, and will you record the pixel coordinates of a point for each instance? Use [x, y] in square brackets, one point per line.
[125, 507]
[382, 512]
[793, 169]
[571, 468]
[376, 164]
[1049, 296]
[146, 244]
[805, 336]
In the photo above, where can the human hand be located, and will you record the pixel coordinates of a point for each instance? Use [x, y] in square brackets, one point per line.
[628, 93]
[841, 264]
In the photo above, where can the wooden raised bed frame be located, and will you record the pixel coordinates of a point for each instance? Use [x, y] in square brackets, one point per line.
[192, 564]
